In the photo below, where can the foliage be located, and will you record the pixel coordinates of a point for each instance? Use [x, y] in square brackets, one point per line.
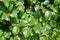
[29, 19]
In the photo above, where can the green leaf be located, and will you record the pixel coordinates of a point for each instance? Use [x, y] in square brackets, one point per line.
[17, 38]
[7, 34]
[26, 31]
[43, 38]
[47, 26]
[28, 10]
[0, 13]
[41, 19]
[14, 0]
[58, 38]
[11, 38]
[48, 15]
[21, 8]
[53, 8]
[37, 28]
[6, 16]
[2, 38]
[1, 32]
[46, 2]
[10, 6]
[23, 22]
[10, 27]
[56, 2]
[54, 34]
[37, 7]
[33, 1]
[14, 13]
[6, 2]
[15, 30]
[21, 2]
[53, 23]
